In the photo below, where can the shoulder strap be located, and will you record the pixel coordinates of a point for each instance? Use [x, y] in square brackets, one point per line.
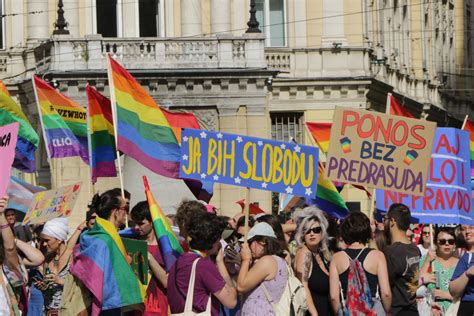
[469, 257]
[188, 306]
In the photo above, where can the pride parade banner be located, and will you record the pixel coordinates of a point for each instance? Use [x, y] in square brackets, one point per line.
[249, 162]
[8, 138]
[50, 204]
[447, 198]
[379, 150]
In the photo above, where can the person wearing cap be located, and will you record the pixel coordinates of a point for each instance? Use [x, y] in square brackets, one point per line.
[262, 264]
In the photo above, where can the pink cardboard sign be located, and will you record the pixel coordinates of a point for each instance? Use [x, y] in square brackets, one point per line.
[8, 137]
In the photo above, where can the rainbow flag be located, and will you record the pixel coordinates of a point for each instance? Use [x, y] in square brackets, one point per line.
[21, 193]
[398, 109]
[101, 135]
[63, 120]
[147, 133]
[169, 245]
[100, 264]
[28, 139]
[469, 126]
[328, 198]
[321, 133]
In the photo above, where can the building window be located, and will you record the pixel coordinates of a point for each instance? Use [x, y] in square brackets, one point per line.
[149, 18]
[106, 18]
[2, 25]
[287, 126]
[271, 18]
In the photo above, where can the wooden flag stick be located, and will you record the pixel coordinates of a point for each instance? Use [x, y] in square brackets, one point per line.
[246, 213]
[465, 121]
[372, 205]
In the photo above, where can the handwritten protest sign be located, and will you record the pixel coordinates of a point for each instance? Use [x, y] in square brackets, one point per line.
[50, 204]
[138, 252]
[8, 138]
[447, 198]
[249, 162]
[379, 150]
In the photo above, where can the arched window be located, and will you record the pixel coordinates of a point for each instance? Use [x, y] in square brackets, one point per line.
[272, 19]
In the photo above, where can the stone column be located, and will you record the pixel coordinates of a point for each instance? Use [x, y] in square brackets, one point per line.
[191, 23]
[220, 16]
[333, 28]
[38, 24]
[240, 16]
[71, 14]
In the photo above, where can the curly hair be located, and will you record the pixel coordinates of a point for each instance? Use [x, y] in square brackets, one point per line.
[186, 210]
[204, 230]
[307, 217]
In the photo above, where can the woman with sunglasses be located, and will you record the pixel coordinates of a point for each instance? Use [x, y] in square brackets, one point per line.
[424, 241]
[312, 260]
[437, 268]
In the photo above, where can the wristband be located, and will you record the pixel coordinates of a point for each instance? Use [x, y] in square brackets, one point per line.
[4, 226]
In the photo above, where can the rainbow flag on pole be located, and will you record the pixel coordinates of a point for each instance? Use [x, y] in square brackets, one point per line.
[101, 265]
[101, 137]
[169, 245]
[321, 133]
[28, 139]
[469, 126]
[147, 133]
[328, 198]
[63, 120]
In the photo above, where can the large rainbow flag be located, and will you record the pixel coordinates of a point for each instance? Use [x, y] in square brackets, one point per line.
[100, 264]
[63, 121]
[147, 133]
[169, 244]
[469, 126]
[28, 139]
[328, 198]
[100, 135]
[321, 133]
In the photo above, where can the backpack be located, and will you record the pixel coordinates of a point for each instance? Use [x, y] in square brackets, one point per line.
[359, 298]
[293, 299]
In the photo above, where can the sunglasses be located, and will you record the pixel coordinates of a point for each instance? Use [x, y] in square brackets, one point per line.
[446, 242]
[426, 233]
[314, 230]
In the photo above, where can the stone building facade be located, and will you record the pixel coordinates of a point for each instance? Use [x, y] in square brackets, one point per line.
[194, 55]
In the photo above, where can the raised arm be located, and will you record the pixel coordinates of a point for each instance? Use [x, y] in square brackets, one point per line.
[33, 256]
[158, 271]
[11, 255]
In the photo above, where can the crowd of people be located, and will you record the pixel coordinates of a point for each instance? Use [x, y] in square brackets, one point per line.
[352, 266]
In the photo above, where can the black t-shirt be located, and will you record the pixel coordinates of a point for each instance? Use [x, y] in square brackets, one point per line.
[402, 264]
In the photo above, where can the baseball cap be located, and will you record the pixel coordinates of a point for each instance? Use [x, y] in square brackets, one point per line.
[260, 229]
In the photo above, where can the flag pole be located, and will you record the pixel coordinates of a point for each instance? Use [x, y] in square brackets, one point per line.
[89, 139]
[114, 118]
[246, 213]
[465, 121]
[387, 107]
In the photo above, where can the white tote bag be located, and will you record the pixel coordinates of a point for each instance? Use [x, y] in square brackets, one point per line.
[188, 306]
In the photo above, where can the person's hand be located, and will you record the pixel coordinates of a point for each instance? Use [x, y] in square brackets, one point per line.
[52, 278]
[232, 256]
[40, 285]
[439, 294]
[245, 252]
[430, 255]
[428, 278]
[220, 256]
[436, 310]
[3, 204]
[82, 225]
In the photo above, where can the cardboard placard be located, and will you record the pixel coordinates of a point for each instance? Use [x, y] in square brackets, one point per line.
[448, 194]
[8, 138]
[50, 204]
[249, 162]
[379, 150]
[138, 251]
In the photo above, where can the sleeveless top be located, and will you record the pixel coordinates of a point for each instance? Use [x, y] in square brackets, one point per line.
[318, 284]
[372, 279]
[256, 303]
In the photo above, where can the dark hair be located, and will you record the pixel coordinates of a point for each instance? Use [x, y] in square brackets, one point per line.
[103, 204]
[10, 210]
[356, 228]
[272, 246]
[275, 223]
[447, 230]
[185, 212]
[241, 222]
[401, 214]
[204, 229]
[140, 212]
[380, 239]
